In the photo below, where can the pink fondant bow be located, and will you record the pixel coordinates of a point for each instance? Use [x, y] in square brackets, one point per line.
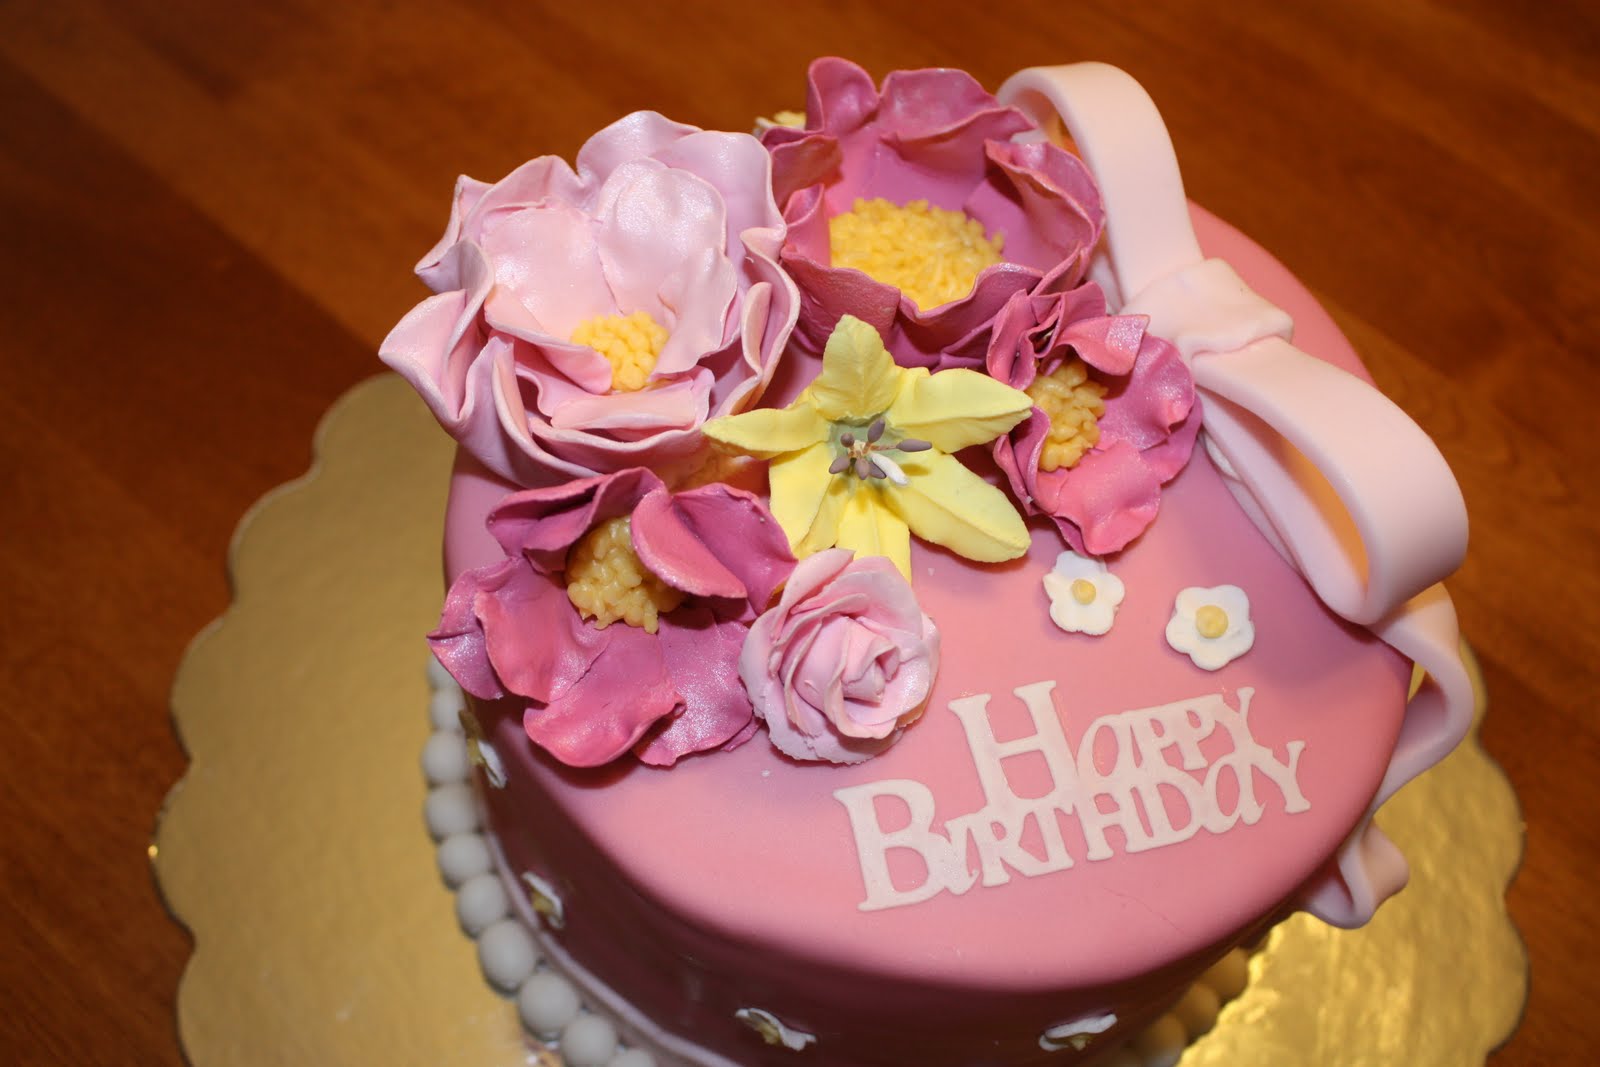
[1335, 475]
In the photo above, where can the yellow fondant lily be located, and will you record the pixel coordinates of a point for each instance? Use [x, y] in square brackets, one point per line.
[862, 458]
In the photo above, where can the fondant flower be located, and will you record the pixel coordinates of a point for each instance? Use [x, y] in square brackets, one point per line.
[863, 457]
[1211, 626]
[592, 691]
[591, 320]
[1084, 595]
[1114, 418]
[843, 662]
[932, 138]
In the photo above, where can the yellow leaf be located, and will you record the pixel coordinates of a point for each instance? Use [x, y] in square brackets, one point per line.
[770, 431]
[955, 409]
[949, 505]
[798, 483]
[859, 379]
[870, 527]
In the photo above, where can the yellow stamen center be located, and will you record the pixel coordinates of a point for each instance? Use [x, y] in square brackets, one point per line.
[1072, 402]
[930, 254]
[1083, 590]
[630, 343]
[606, 581]
[1211, 621]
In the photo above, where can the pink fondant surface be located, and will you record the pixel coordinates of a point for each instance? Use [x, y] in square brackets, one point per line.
[732, 879]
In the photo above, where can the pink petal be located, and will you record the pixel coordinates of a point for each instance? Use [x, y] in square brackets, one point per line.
[609, 709]
[547, 259]
[542, 524]
[679, 405]
[636, 136]
[702, 657]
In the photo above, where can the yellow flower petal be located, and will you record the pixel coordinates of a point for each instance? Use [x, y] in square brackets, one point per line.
[949, 505]
[769, 431]
[871, 527]
[798, 483]
[859, 379]
[824, 532]
[955, 409]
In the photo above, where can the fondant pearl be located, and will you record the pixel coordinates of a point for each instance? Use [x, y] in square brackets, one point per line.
[1083, 590]
[1162, 1043]
[444, 758]
[438, 677]
[450, 809]
[445, 708]
[547, 1003]
[588, 1041]
[1229, 975]
[507, 954]
[481, 900]
[1197, 1009]
[1211, 621]
[632, 1057]
[461, 856]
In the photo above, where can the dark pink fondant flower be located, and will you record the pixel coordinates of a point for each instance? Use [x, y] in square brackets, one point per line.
[1146, 434]
[668, 220]
[933, 135]
[843, 662]
[592, 694]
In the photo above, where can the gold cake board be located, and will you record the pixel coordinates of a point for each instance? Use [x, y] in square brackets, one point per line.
[294, 851]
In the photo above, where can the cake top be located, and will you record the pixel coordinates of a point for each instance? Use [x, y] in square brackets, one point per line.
[763, 420]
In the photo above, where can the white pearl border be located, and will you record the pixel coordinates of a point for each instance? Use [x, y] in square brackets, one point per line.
[570, 1034]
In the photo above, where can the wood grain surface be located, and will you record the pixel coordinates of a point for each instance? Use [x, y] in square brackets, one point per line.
[208, 215]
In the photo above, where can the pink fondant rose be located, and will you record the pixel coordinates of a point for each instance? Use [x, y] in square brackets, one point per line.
[933, 135]
[1147, 432]
[591, 694]
[662, 219]
[843, 662]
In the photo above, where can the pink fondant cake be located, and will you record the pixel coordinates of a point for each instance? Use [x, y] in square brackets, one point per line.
[914, 602]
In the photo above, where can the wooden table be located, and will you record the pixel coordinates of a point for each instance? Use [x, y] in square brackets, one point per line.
[209, 212]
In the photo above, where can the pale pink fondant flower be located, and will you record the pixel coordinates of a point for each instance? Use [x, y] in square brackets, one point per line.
[933, 135]
[591, 694]
[1152, 414]
[843, 662]
[658, 217]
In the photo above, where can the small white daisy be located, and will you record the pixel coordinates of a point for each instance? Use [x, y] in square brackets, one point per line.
[1211, 626]
[1084, 595]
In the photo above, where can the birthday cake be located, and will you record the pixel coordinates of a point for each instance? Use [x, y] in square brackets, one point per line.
[909, 600]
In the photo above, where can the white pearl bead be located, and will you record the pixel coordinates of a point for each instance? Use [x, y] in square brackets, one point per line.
[1162, 1044]
[507, 954]
[438, 677]
[1197, 1009]
[1229, 975]
[632, 1057]
[461, 856]
[547, 1003]
[444, 758]
[588, 1041]
[450, 809]
[480, 901]
[445, 707]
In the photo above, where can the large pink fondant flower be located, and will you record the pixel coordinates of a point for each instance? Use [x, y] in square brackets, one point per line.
[667, 219]
[592, 694]
[932, 135]
[843, 662]
[1146, 434]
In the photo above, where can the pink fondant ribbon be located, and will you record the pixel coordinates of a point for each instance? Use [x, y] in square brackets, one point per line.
[1335, 475]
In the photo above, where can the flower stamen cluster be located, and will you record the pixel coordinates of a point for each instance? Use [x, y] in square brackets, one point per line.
[630, 343]
[1073, 403]
[930, 254]
[607, 583]
[866, 458]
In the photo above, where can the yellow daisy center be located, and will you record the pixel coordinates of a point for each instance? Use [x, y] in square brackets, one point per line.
[630, 343]
[1211, 621]
[930, 254]
[1072, 402]
[606, 581]
[1083, 590]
